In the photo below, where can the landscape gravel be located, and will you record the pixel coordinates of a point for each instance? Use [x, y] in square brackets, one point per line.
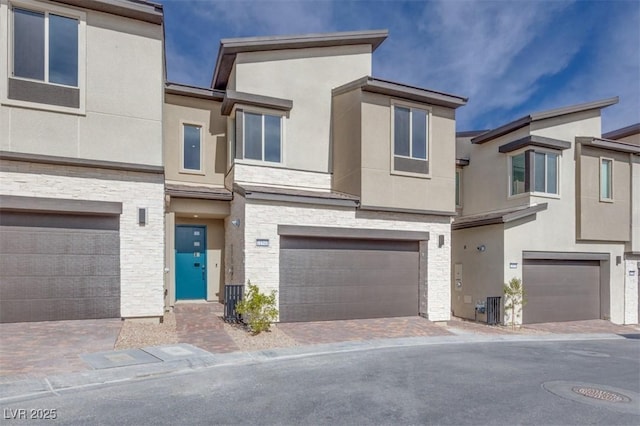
[135, 334]
[275, 338]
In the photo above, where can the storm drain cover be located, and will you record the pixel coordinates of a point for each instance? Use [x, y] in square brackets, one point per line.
[601, 394]
[620, 400]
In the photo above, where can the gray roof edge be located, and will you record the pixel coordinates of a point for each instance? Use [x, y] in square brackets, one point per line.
[193, 91]
[609, 144]
[136, 9]
[373, 37]
[534, 140]
[498, 217]
[622, 132]
[557, 112]
[401, 90]
[232, 97]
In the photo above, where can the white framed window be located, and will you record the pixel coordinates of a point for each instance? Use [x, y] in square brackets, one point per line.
[191, 147]
[46, 56]
[458, 187]
[534, 172]
[410, 139]
[262, 137]
[45, 46]
[606, 179]
[518, 174]
[545, 173]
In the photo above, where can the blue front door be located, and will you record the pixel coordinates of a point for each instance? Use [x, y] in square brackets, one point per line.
[191, 262]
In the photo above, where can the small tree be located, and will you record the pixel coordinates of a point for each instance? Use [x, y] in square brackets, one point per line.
[258, 308]
[514, 298]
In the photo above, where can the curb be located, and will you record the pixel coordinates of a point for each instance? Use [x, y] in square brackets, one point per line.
[25, 389]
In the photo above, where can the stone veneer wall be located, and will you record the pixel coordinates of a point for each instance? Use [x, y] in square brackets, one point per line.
[279, 176]
[631, 291]
[262, 218]
[141, 247]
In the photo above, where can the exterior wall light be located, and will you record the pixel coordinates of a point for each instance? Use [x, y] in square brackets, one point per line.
[236, 223]
[481, 248]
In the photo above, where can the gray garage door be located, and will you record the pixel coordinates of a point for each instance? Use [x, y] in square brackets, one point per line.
[331, 279]
[561, 290]
[58, 267]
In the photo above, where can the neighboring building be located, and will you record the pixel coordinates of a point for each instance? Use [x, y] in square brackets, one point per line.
[342, 187]
[81, 168]
[548, 200]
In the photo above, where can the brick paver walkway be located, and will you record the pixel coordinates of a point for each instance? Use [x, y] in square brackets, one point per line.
[589, 326]
[309, 333]
[201, 325]
[38, 349]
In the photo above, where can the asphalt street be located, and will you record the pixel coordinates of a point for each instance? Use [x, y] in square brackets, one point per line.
[542, 383]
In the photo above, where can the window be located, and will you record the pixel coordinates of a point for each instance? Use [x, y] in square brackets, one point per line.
[45, 47]
[458, 188]
[533, 171]
[518, 174]
[262, 137]
[606, 179]
[546, 173]
[191, 147]
[410, 139]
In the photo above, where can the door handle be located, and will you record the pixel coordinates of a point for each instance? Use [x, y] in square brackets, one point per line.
[196, 265]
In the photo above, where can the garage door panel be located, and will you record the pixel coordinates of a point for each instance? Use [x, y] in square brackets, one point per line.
[347, 293]
[63, 241]
[560, 290]
[331, 279]
[341, 311]
[338, 277]
[351, 259]
[16, 288]
[26, 265]
[58, 267]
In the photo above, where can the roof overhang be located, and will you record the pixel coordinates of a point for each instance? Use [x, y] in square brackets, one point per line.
[609, 144]
[229, 48]
[269, 193]
[135, 9]
[402, 91]
[634, 129]
[193, 91]
[199, 192]
[497, 217]
[231, 98]
[534, 140]
[525, 121]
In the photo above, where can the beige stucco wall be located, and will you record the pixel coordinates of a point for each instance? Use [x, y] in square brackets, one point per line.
[383, 188]
[305, 76]
[234, 242]
[634, 139]
[179, 110]
[567, 127]
[482, 272]
[485, 180]
[347, 142]
[592, 212]
[122, 117]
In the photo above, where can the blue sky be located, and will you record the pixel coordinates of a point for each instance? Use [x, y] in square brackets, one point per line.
[510, 58]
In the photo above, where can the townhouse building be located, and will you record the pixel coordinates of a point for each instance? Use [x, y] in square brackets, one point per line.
[81, 164]
[301, 173]
[549, 200]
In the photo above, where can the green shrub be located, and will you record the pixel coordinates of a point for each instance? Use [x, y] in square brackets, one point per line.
[258, 309]
[514, 298]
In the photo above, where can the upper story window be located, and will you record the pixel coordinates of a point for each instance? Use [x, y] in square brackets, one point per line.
[410, 139]
[191, 147]
[47, 57]
[533, 171]
[458, 188]
[606, 179]
[262, 137]
[45, 47]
